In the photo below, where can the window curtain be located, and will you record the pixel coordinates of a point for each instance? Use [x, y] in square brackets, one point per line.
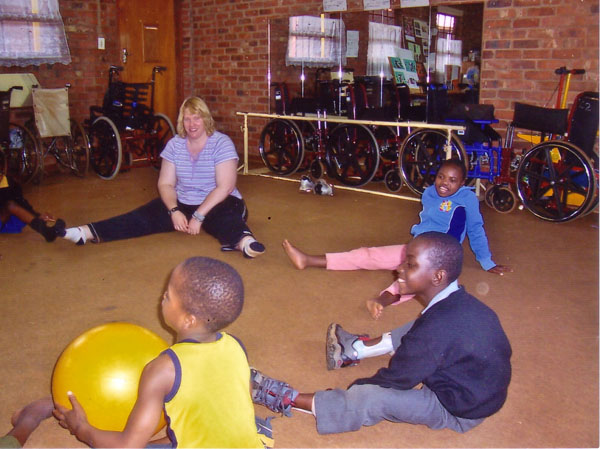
[316, 42]
[384, 41]
[448, 52]
[32, 33]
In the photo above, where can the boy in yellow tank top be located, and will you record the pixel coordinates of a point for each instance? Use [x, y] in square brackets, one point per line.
[202, 382]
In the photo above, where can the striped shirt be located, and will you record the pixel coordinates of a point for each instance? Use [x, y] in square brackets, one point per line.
[196, 176]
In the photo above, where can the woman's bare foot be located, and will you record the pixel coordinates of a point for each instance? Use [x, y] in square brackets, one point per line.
[375, 308]
[297, 257]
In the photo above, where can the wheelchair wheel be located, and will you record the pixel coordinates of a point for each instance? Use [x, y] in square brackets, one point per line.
[501, 198]
[281, 146]
[316, 169]
[24, 154]
[421, 155]
[105, 148]
[310, 144]
[556, 181]
[388, 151]
[80, 149]
[352, 154]
[594, 202]
[162, 131]
[393, 180]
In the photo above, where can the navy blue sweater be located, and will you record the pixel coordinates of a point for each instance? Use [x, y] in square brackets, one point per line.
[457, 349]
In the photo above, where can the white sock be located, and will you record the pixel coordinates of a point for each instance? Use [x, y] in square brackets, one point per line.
[383, 347]
[75, 235]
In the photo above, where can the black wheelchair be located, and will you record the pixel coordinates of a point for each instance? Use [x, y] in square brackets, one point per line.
[126, 132]
[19, 149]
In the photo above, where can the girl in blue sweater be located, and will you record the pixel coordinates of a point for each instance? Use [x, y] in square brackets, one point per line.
[448, 206]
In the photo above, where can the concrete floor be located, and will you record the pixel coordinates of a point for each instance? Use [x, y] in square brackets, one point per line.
[51, 293]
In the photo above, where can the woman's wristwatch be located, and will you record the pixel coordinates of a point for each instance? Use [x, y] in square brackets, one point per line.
[198, 216]
[175, 209]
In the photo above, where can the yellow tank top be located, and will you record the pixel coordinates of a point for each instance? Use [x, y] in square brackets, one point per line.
[210, 403]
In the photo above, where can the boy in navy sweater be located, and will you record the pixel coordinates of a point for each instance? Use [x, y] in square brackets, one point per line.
[456, 349]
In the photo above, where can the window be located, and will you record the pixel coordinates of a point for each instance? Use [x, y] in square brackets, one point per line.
[384, 41]
[32, 33]
[445, 23]
[316, 42]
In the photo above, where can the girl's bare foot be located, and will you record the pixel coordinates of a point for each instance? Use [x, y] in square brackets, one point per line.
[297, 257]
[374, 308]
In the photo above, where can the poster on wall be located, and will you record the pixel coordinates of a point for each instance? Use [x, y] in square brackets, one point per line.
[334, 5]
[404, 69]
[376, 4]
[413, 3]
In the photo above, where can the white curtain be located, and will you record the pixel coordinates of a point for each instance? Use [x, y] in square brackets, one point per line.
[32, 33]
[448, 52]
[384, 41]
[316, 42]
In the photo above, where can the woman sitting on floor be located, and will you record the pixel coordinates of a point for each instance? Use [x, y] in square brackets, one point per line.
[197, 187]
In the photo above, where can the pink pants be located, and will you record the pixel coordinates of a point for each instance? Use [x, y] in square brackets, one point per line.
[374, 258]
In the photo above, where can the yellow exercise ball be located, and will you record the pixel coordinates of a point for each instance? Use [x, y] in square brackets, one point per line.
[102, 368]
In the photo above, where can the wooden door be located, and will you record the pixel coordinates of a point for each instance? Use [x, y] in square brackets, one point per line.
[147, 39]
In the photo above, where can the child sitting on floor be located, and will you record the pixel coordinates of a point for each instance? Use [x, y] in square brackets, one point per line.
[16, 212]
[456, 349]
[448, 206]
[201, 382]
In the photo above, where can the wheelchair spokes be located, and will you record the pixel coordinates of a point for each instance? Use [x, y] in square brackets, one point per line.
[553, 181]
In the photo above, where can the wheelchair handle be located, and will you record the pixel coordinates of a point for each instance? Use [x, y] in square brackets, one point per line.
[116, 68]
[564, 71]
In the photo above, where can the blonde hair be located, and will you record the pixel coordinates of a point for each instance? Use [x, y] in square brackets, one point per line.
[195, 105]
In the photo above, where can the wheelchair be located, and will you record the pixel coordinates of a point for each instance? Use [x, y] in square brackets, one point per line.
[126, 132]
[57, 133]
[19, 149]
[556, 180]
[347, 152]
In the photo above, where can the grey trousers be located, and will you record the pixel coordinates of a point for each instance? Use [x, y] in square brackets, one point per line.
[364, 405]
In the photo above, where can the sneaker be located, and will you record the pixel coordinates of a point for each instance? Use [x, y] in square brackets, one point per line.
[252, 249]
[306, 184]
[323, 188]
[273, 394]
[339, 351]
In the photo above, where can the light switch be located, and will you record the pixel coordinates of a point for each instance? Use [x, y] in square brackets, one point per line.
[101, 44]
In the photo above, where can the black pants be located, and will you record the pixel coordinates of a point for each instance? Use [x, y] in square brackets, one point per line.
[226, 221]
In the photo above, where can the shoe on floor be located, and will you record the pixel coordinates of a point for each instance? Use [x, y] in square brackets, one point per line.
[339, 351]
[252, 248]
[306, 184]
[274, 394]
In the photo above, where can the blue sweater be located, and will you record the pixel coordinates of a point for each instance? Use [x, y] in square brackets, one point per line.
[458, 350]
[457, 215]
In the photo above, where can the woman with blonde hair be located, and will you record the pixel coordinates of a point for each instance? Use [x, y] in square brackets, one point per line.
[197, 191]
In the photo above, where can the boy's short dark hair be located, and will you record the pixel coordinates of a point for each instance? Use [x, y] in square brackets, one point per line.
[455, 163]
[211, 290]
[445, 253]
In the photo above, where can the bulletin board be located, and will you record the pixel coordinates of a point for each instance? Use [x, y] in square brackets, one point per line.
[404, 69]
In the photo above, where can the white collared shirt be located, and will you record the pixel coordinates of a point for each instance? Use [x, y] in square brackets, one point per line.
[451, 288]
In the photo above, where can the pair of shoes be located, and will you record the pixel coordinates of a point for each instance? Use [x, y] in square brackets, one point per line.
[339, 350]
[273, 394]
[306, 184]
[252, 248]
